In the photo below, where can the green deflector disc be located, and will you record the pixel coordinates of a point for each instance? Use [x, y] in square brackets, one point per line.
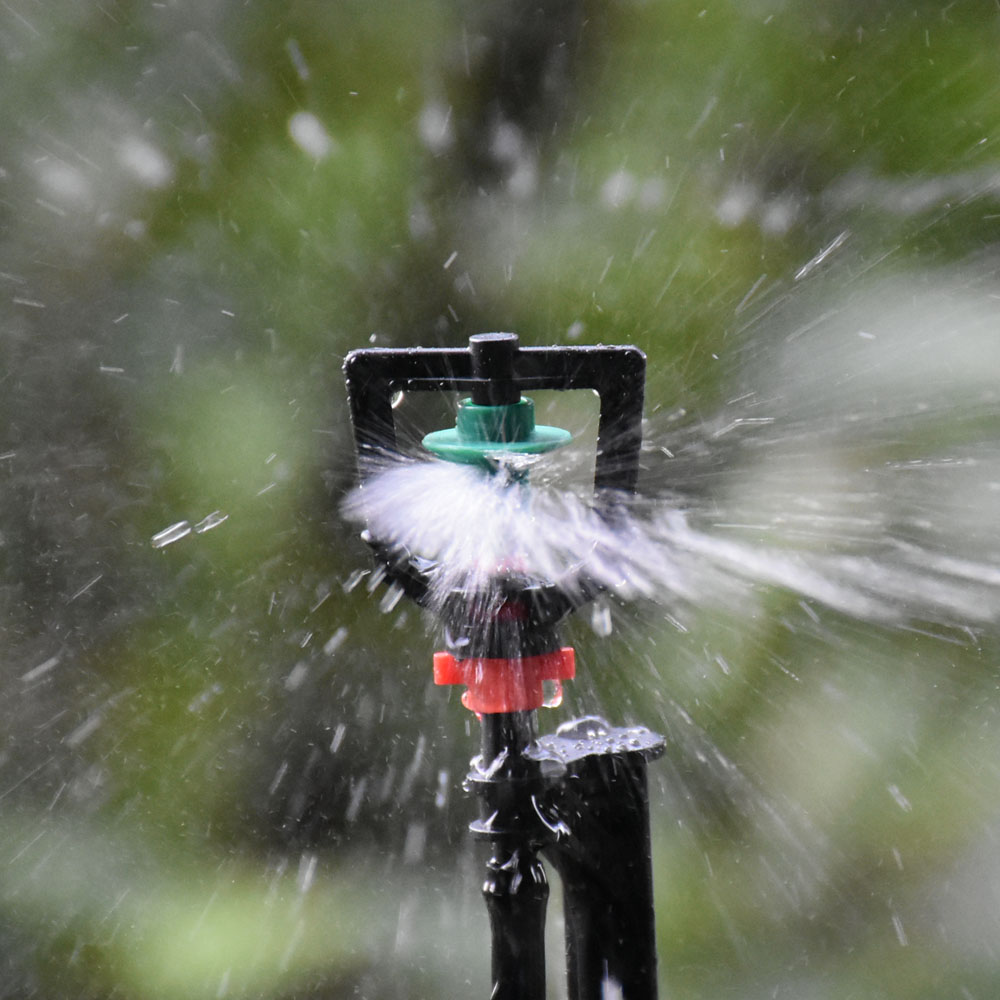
[484, 432]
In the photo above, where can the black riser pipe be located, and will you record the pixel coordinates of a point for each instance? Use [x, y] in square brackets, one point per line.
[606, 873]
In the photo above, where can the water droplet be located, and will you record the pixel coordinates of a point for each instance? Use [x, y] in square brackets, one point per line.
[278, 777]
[354, 579]
[416, 840]
[43, 668]
[210, 521]
[441, 795]
[435, 127]
[600, 620]
[89, 726]
[147, 164]
[174, 533]
[335, 641]
[338, 737]
[310, 135]
[611, 989]
[618, 189]
[296, 676]
[552, 694]
[307, 871]
[390, 599]
[900, 799]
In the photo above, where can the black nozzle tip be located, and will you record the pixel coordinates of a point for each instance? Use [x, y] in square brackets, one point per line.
[493, 363]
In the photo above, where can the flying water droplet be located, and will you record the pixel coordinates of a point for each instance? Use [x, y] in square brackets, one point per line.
[43, 668]
[416, 841]
[441, 795]
[210, 521]
[171, 534]
[900, 799]
[600, 620]
[310, 135]
[296, 676]
[390, 599]
[335, 641]
[354, 579]
[307, 871]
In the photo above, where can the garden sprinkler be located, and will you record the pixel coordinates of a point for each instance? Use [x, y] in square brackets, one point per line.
[579, 796]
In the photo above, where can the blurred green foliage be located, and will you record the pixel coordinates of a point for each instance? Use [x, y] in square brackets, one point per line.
[225, 771]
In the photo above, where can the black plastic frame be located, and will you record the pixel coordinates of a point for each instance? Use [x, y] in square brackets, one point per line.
[616, 374]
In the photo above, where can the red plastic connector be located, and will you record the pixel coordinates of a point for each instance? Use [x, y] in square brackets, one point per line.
[499, 685]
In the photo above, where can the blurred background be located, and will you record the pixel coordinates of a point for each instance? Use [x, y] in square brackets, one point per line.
[224, 769]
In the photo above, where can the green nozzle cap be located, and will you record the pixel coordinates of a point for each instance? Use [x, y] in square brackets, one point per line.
[483, 432]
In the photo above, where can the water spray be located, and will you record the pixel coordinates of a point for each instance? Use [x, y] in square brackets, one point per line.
[577, 797]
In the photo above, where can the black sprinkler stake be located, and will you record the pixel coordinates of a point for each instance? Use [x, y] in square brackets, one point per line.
[578, 797]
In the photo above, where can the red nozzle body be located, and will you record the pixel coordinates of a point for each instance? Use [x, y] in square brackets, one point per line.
[505, 685]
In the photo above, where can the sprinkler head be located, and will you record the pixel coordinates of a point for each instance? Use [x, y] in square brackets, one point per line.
[581, 794]
[502, 642]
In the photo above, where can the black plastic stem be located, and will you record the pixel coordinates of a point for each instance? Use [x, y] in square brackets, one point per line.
[510, 732]
[493, 364]
[516, 893]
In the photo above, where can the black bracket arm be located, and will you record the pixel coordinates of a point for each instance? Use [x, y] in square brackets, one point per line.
[616, 374]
